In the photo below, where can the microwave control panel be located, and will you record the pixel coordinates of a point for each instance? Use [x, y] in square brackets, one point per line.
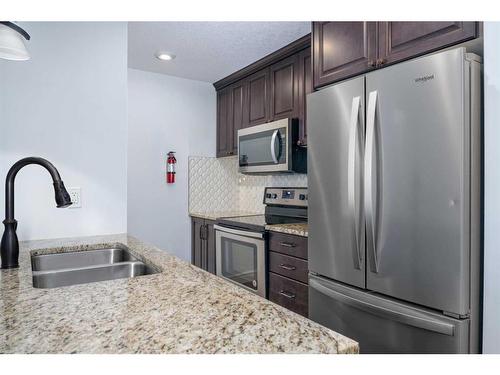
[285, 196]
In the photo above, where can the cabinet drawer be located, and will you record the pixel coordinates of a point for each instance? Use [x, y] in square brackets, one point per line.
[289, 293]
[288, 266]
[288, 244]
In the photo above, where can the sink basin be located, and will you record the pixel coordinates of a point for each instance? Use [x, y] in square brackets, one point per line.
[50, 262]
[73, 276]
[81, 267]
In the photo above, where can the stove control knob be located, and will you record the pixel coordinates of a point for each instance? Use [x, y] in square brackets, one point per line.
[274, 196]
[302, 197]
[268, 195]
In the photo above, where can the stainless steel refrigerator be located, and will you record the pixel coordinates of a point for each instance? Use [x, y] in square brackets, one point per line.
[394, 171]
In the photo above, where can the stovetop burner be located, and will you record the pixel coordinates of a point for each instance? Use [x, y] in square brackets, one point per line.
[283, 206]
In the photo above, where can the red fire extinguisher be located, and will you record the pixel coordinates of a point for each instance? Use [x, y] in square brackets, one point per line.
[171, 161]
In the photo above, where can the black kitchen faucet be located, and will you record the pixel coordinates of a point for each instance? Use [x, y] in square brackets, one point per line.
[10, 245]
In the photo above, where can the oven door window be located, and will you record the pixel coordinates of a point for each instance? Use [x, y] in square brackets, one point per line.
[263, 148]
[239, 262]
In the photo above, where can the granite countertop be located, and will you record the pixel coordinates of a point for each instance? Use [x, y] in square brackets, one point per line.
[299, 229]
[214, 215]
[182, 309]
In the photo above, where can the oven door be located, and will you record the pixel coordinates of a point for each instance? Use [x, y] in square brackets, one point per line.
[240, 258]
[265, 148]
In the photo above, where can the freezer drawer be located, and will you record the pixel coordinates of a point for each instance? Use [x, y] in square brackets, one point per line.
[383, 325]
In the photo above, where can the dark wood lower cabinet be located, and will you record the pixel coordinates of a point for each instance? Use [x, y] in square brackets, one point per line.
[288, 272]
[203, 244]
[289, 293]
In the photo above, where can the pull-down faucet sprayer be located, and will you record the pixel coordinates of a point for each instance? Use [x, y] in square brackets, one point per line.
[9, 245]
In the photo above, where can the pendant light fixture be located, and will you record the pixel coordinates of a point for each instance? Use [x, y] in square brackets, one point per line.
[12, 45]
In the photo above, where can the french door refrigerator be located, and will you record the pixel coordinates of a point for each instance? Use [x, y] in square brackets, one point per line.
[394, 161]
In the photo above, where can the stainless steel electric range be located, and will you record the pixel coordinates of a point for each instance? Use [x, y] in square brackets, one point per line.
[241, 246]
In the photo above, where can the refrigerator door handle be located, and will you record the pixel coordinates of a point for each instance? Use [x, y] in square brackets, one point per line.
[416, 320]
[370, 205]
[352, 172]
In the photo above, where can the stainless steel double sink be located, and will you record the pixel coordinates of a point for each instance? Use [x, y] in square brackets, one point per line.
[81, 267]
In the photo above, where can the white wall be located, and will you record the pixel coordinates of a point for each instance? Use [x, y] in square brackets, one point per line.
[69, 105]
[491, 324]
[165, 114]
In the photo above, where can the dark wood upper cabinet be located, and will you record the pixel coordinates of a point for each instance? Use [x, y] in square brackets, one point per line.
[224, 126]
[403, 40]
[267, 90]
[237, 112]
[342, 49]
[284, 79]
[305, 87]
[345, 49]
[258, 98]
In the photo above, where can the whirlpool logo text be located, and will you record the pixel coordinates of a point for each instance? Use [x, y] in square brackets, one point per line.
[424, 79]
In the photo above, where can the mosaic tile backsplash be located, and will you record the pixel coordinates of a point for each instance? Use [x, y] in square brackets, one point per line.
[215, 185]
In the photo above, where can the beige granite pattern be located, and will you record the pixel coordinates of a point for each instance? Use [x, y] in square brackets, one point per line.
[182, 309]
[214, 215]
[299, 229]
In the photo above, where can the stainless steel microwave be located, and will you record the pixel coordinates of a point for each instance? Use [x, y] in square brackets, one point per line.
[272, 148]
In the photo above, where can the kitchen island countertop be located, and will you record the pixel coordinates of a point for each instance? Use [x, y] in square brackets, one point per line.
[181, 309]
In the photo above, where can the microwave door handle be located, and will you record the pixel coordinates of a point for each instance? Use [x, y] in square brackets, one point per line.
[371, 206]
[352, 171]
[273, 146]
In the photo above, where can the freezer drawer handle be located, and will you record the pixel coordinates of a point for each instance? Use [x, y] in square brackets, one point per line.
[287, 244]
[287, 294]
[287, 267]
[353, 198]
[412, 320]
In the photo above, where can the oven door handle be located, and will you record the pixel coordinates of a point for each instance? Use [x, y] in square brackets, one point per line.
[239, 232]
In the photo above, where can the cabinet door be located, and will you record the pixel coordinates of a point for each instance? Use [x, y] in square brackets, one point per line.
[210, 246]
[305, 87]
[342, 49]
[196, 241]
[284, 80]
[403, 40]
[237, 117]
[258, 98]
[224, 127]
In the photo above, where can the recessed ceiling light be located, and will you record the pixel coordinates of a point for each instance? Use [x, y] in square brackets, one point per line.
[165, 56]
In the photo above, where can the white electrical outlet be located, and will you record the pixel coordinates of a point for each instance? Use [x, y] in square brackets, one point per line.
[76, 197]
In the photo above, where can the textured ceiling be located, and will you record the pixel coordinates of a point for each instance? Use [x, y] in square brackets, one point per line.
[207, 51]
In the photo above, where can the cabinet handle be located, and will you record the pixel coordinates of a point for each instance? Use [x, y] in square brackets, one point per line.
[287, 244]
[286, 294]
[287, 267]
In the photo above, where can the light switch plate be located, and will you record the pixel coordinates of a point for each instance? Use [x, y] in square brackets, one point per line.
[76, 197]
